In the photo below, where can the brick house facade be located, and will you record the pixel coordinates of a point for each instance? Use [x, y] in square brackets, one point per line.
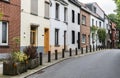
[10, 24]
[85, 27]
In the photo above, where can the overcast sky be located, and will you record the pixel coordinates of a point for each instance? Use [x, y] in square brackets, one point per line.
[107, 5]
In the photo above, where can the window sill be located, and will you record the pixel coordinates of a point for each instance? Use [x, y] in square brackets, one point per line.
[57, 45]
[47, 18]
[34, 14]
[83, 43]
[4, 46]
[57, 19]
[65, 22]
[84, 24]
[6, 1]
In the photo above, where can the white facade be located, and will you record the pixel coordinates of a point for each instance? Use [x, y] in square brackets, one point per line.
[59, 24]
[73, 26]
[95, 23]
[38, 21]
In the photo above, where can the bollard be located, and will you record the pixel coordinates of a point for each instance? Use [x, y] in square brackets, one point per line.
[96, 47]
[76, 51]
[93, 48]
[63, 53]
[70, 52]
[40, 57]
[49, 56]
[81, 50]
[56, 55]
[90, 49]
[86, 49]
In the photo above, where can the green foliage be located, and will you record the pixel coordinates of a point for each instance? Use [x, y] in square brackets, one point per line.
[101, 35]
[94, 28]
[19, 56]
[1, 15]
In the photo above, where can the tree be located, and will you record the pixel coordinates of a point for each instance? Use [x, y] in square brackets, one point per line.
[102, 35]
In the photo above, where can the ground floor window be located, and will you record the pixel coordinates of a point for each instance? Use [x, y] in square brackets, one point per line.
[83, 38]
[56, 37]
[3, 33]
[73, 37]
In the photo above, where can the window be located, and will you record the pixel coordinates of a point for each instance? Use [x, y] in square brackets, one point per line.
[73, 16]
[96, 23]
[83, 20]
[65, 14]
[79, 18]
[57, 11]
[46, 9]
[3, 33]
[94, 9]
[99, 24]
[73, 37]
[83, 38]
[34, 7]
[92, 22]
[56, 37]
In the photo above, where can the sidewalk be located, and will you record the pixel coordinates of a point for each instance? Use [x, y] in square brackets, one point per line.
[46, 64]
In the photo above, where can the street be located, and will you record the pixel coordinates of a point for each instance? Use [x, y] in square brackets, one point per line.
[105, 64]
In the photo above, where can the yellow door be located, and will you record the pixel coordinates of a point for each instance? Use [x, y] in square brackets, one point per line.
[46, 40]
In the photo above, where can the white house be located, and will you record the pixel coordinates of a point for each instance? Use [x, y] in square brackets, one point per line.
[58, 25]
[35, 24]
[96, 19]
[73, 29]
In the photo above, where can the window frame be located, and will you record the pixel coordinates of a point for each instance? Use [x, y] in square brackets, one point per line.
[56, 37]
[3, 44]
[83, 19]
[57, 11]
[48, 9]
[73, 16]
[73, 37]
[78, 18]
[84, 38]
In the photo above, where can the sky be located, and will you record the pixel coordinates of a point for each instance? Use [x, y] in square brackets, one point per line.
[107, 5]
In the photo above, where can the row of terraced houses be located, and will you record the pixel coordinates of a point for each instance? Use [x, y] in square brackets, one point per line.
[52, 24]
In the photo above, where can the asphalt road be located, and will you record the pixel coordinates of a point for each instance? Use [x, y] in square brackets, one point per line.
[101, 65]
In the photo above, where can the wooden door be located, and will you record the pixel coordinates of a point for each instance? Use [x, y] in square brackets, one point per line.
[33, 36]
[46, 40]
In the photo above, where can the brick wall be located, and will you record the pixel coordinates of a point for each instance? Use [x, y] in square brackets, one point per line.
[85, 29]
[11, 13]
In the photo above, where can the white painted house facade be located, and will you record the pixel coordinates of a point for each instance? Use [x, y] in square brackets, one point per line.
[73, 29]
[96, 19]
[35, 24]
[58, 25]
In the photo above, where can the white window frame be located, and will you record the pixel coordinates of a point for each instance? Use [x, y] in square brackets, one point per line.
[3, 44]
[83, 38]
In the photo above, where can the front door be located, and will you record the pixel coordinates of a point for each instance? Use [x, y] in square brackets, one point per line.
[78, 40]
[33, 35]
[46, 40]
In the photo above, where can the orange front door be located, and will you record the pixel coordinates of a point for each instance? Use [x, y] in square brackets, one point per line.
[46, 40]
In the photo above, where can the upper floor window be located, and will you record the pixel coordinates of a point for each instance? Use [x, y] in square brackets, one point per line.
[3, 33]
[34, 7]
[57, 11]
[79, 18]
[100, 24]
[65, 14]
[83, 20]
[92, 22]
[73, 16]
[94, 9]
[46, 9]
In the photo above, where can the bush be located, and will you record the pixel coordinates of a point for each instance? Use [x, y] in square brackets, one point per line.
[31, 52]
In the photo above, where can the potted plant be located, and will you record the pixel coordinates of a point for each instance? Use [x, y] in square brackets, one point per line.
[17, 61]
[33, 60]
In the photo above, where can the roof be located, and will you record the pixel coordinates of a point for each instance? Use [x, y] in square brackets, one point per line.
[75, 2]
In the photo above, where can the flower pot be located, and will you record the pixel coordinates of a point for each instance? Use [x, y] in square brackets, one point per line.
[14, 68]
[33, 63]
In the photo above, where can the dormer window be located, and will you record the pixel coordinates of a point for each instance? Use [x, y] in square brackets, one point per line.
[94, 9]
